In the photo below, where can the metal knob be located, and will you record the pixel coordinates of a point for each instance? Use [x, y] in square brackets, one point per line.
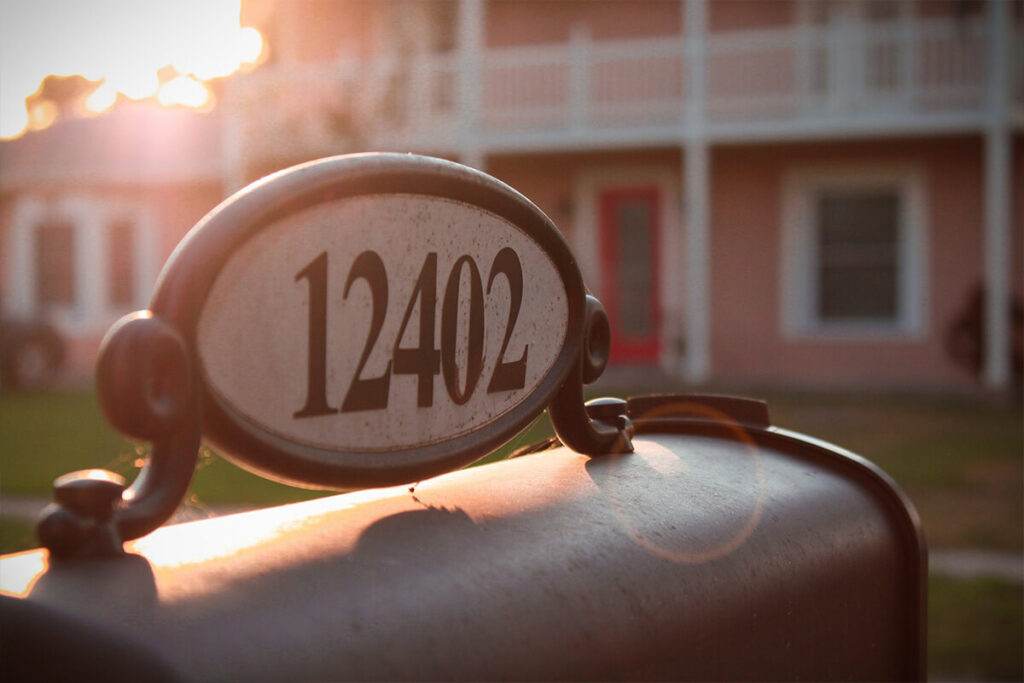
[92, 494]
[606, 408]
[80, 523]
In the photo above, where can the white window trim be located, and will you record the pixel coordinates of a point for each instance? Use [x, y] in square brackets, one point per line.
[144, 258]
[798, 266]
[91, 311]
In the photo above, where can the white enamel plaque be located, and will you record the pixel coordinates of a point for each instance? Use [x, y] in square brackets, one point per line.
[376, 323]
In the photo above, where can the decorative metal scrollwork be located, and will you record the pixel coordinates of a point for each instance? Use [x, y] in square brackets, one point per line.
[147, 389]
[599, 428]
[247, 310]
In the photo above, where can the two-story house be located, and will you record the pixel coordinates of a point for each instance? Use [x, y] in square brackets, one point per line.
[797, 192]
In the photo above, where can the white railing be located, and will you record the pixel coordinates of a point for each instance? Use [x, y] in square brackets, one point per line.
[527, 88]
[828, 76]
[758, 74]
[297, 111]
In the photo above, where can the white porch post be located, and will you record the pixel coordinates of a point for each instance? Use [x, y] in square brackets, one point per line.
[997, 200]
[20, 297]
[147, 257]
[232, 146]
[579, 81]
[470, 52]
[697, 315]
[696, 193]
[91, 271]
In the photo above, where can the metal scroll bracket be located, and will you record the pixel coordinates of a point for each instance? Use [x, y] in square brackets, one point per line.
[146, 386]
[172, 374]
[601, 426]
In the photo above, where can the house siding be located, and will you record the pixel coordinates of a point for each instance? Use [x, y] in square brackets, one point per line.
[549, 180]
[748, 344]
[561, 114]
[513, 22]
[174, 208]
[746, 212]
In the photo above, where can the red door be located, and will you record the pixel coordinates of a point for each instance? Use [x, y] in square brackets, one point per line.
[630, 243]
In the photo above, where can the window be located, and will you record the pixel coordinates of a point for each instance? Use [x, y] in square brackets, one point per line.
[857, 255]
[80, 262]
[55, 264]
[853, 254]
[121, 262]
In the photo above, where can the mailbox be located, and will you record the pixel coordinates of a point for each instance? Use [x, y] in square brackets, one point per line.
[375, 322]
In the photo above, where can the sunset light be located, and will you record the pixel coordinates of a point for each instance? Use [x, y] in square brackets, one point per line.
[133, 49]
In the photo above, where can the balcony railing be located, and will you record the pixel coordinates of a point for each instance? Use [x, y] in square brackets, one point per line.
[768, 82]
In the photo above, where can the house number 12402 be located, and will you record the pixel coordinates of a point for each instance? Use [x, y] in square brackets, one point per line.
[425, 360]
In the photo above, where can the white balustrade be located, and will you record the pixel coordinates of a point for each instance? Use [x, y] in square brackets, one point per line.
[590, 89]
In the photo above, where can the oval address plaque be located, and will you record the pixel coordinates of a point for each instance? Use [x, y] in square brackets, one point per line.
[373, 319]
[358, 321]
[382, 323]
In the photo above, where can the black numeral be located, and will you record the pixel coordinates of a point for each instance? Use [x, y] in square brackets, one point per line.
[424, 359]
[449, 320]
[369, 393]
[316, 383]
[508, 375]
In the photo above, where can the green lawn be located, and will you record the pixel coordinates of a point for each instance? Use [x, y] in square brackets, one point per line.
[961, 462]
[46, 435]
[975, 629]
[16, 534]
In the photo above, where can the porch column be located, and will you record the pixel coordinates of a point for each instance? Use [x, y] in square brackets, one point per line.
[20, 259]
[232, 145]
[696, 194]
[91, 272]
[470, 53]
[697, 314]
[997, 201]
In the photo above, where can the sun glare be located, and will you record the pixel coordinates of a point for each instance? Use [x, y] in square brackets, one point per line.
[101, 100]
[133, 49]
[185, 91]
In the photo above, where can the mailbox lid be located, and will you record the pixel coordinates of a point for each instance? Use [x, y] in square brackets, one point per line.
[716, 551]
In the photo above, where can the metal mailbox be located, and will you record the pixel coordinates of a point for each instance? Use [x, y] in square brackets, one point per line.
[670, 537]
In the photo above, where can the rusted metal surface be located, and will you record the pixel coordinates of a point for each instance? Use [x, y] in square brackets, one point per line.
[714, 551]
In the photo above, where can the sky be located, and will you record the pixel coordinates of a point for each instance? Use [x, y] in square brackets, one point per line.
[121, 45]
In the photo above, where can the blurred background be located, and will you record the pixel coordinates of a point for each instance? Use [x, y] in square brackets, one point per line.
[816, 202]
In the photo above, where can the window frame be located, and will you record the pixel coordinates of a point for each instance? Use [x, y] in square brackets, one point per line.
[91, 310]
[800, 255]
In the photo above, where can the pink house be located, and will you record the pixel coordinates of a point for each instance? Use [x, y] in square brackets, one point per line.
[797, 192]
[91, 208]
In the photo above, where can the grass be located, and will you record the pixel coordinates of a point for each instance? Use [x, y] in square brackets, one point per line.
[16, 535]
[47, 435]
[975, 629]
[961, 462]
